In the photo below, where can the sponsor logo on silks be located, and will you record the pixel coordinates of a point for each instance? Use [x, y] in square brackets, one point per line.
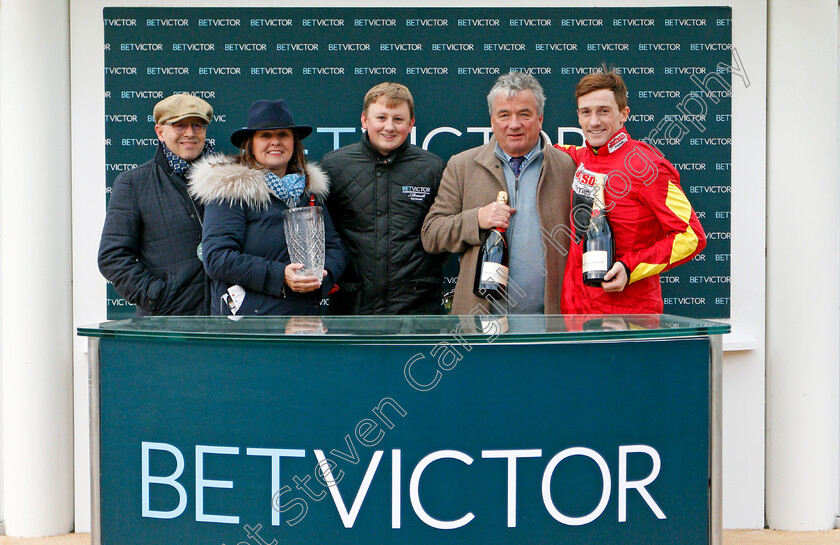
[416, 192]
[584, 183]
[617, 141]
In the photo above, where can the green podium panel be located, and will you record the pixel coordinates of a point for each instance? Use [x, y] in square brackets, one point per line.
[524, 429]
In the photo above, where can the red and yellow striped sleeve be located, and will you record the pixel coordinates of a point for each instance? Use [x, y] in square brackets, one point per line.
[683, 235]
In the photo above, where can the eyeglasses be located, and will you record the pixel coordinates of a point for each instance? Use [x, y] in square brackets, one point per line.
[180, 127]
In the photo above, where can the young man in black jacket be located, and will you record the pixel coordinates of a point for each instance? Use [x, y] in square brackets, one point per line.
[150, 242]
[380, 191]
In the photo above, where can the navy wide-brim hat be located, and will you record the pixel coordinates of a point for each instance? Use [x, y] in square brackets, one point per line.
[269, 115]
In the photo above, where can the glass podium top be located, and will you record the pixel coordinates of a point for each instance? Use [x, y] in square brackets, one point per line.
[511, 329]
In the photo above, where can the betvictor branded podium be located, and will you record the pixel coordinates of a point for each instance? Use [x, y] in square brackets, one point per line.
[406, 430]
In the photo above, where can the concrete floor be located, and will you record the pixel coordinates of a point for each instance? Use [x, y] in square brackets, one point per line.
[775, 537]
[730, 537]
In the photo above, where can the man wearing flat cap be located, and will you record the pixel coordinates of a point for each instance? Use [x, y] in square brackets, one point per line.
[150, 242]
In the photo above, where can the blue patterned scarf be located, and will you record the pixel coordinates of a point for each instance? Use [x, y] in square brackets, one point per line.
[178, 165]
[289, 188]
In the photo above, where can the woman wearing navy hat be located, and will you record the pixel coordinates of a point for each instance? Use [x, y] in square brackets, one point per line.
[244, 244]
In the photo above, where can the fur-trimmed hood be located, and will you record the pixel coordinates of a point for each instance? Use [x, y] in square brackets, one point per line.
[223, 178]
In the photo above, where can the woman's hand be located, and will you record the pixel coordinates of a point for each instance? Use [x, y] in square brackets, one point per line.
[301, 284]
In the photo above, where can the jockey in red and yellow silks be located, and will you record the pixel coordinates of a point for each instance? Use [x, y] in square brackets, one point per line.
[653, 224]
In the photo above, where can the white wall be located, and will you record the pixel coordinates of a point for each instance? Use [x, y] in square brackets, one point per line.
[87, 83]
[743, 363]
[803, 292]
[743, 389]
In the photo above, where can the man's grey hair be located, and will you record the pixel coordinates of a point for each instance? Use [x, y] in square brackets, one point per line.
[513, 82]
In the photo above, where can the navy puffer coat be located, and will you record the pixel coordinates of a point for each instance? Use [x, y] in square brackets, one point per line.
[244, 242]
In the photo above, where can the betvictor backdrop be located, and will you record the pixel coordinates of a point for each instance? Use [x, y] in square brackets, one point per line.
[678, 63]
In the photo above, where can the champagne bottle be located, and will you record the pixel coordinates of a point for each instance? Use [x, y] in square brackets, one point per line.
[491, 269]
[598, 243]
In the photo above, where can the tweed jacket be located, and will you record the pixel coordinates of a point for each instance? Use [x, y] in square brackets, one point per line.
[473, 179]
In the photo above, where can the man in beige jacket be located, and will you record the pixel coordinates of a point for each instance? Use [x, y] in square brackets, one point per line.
[537, 178]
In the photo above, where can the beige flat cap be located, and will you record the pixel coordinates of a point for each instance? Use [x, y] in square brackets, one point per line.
[181, 106]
